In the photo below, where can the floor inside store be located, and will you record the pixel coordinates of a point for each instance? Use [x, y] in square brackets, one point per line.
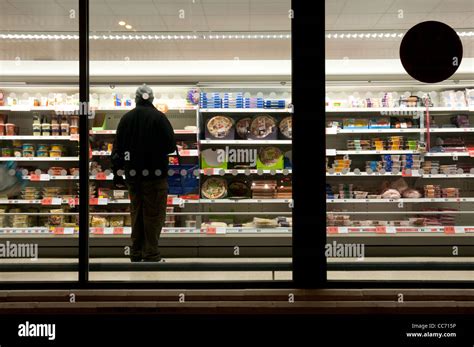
[157, 275]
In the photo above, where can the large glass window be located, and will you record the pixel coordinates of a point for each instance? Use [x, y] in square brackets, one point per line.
[220, 73]
[39, 159]
[399, 188]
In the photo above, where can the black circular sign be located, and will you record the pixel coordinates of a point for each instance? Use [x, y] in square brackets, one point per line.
[431, 52]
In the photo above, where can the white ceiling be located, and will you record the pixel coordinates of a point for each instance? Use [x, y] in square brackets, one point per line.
[218, 15]
[382, 15]
[150, 16]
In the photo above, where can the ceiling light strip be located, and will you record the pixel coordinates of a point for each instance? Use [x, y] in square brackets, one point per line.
[380, 35]
[152, 36]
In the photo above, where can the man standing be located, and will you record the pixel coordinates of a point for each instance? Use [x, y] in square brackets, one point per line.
[144, 139]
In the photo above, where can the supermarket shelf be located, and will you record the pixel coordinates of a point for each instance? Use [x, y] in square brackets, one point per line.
[245, 142]
[245, 201]
[113, 132]
[218, 172]
[365, 174]
[39, 138]
[166, 231]
[425, 230]
[128, 108]
[26, 108]
[32, 230]
[378, 201]
[451, 130]
[183, 153]
[245, 110]
[39, 159]
[401, 110]
[448, 176]
[101, 153]
[334, 131]
[187, 153]
[448, 154]
[333, 152]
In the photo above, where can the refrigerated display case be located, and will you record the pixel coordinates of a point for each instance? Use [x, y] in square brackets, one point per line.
[252, 210]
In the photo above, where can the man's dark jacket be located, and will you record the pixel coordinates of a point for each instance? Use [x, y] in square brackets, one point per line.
[144, 139]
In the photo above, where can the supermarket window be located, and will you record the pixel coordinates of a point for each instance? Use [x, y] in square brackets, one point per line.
[220, 72]
[399, 188]
[38, 139]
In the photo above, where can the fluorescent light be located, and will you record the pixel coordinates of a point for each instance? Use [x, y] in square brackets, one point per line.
[159, 36]
[128, 26]
[122, 23]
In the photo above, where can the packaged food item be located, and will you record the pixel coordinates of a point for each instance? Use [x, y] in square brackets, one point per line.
[55, 129]
[190, 223]
[99, 222]
[116, 221]
[355, 123]
[56, 147]
[28, 153]
[243, 128]
[55, 154]
[2, 129]
[239, 190]
[28, 147]
[219, 127]
[55, 220]
[75, 121]
[57, 171]
[379, 123]
[37, 129]
[7, 152]
[64, 129]
[286, 128]
[74, 130]
[17, 152]
[214, 188]
[270, 157]
[262, 127]
[46, 129]
[10, 129]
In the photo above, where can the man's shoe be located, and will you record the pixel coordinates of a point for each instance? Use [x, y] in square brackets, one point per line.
[160, 260]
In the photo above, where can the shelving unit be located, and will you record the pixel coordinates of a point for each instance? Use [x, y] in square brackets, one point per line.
[60, 239]
[374, 219]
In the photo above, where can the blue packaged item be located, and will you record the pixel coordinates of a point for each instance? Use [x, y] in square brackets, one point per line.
[183, 184]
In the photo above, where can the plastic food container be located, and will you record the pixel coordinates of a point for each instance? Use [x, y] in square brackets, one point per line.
[28, 147]
[42, 147]
[37, 129]
[64, 129]
[55, 129]
[28, 153]
[10, 129]
[7, 152]
[75, 121]
[74, 130]
[55, 153]
[42, 153]
[17, 152]
[46, 129]
[2, 129]
[56, 147]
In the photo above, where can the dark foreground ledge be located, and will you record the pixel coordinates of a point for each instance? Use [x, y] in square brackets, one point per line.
[276, 301]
